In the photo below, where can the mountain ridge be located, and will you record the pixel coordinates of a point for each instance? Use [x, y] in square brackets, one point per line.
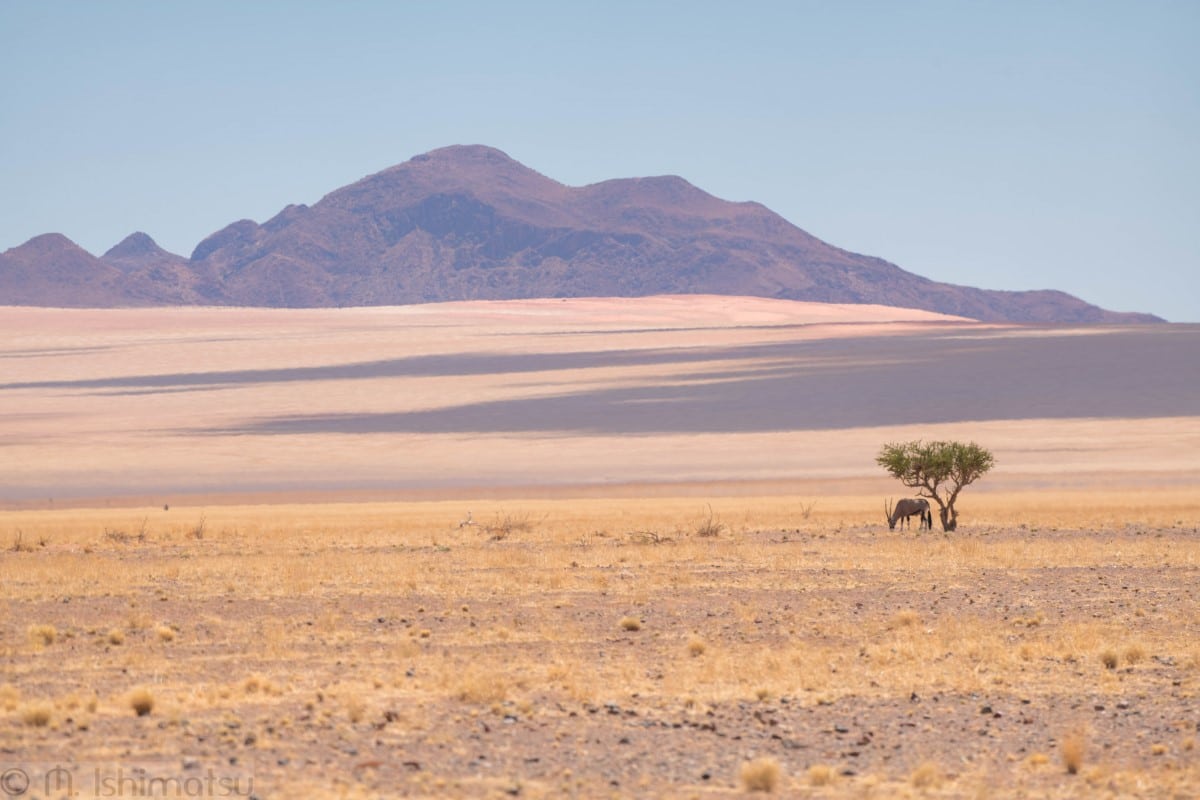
[467, 222]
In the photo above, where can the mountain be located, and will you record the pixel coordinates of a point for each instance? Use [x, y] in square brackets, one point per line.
[52, 270]
[138, 250]
[156, 276]
[468, 222]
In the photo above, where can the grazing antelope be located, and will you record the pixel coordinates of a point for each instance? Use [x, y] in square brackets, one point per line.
[908, 507]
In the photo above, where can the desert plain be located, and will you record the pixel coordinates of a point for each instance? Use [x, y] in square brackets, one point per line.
[592, 548]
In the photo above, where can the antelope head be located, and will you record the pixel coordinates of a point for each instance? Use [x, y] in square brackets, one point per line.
[887, 509]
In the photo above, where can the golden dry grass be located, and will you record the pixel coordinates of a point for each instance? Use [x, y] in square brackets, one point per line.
[311, 625]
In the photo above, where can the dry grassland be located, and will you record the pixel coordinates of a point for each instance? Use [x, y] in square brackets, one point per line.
[623, 647]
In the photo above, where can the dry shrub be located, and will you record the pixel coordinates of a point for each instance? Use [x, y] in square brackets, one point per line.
[19, 545]
[197, 531]
[927, 776]
[631, 624]
[821, 775]
[116, 636]
[141, 701]
[503, 526]
[905, 619]
[124, 537]
[760, 775]
[710, 526]
[166, 633]
[9, 696]
[483, 687]
[696, 646]
[356, 709]
[37, 714]
[1109, 658]
[255, 684]
[1074, 748]
[1134, 654]
[42, 635]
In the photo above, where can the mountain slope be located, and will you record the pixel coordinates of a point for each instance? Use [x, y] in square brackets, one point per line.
[470, 223]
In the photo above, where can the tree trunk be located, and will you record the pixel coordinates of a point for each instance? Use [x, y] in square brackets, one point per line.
[949, 518]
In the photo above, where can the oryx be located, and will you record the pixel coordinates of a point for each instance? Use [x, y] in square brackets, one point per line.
[908, 507]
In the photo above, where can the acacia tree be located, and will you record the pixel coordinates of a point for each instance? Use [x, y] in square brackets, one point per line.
[939, 470]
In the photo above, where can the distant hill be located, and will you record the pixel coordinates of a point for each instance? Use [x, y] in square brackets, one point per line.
[470, 223]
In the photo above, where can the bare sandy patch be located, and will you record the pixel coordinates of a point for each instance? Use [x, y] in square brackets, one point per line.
[576, 393]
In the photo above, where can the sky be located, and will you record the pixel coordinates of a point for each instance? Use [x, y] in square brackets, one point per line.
[1004, 145]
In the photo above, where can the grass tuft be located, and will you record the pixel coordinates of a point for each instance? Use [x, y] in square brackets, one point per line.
[255, 684]
[141, 701]
[507, 524]
[19, 545]
[37, 714]
[760, 775]
[356, 709]
[481, 687]
[926, 776]
[709, 527]
[821, 775]
[42, 635]
[1074, 748]
[196, 532]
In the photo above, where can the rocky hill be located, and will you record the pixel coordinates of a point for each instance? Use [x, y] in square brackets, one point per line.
[470, 223]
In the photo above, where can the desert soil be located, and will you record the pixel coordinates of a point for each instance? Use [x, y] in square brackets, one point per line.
[340, 655]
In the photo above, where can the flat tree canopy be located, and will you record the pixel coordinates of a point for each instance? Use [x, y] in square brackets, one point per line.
[939, 470]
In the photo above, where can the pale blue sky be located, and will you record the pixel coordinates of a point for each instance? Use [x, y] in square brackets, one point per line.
[1007, 145]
